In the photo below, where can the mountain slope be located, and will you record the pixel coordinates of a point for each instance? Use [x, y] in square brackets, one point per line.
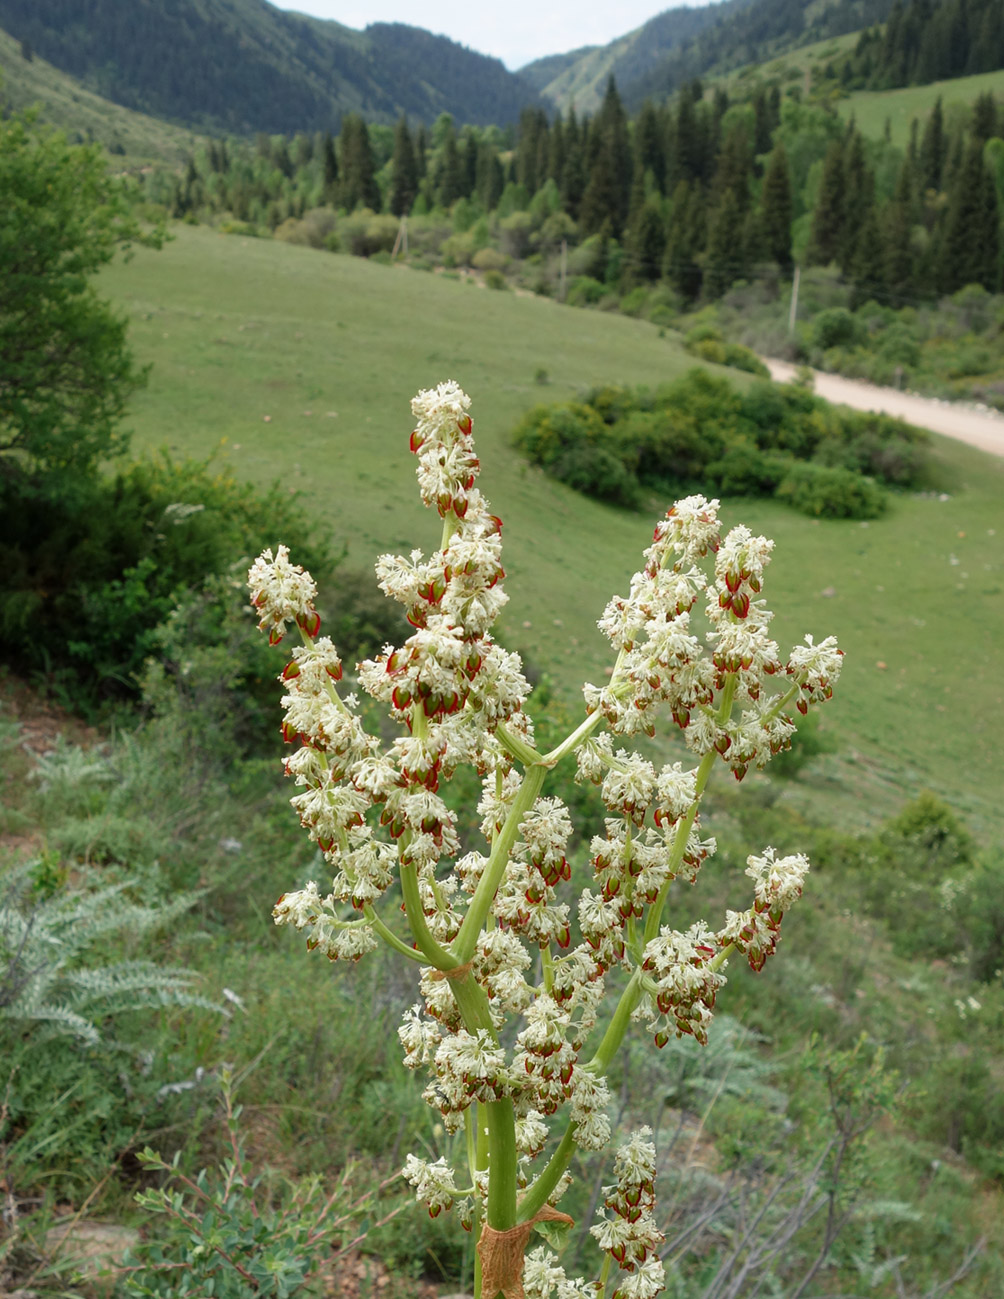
[63, 102]
[681, 44]
[580, 78]
[242, 65]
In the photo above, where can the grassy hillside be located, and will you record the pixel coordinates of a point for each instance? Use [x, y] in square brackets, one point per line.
[292, 363]
[242, 65]
[65, 103]
[872, 108]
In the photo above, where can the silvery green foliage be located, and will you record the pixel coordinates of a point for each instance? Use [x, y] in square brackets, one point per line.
[54, 972]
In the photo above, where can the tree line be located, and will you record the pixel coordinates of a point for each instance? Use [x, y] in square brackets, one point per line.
[698, 192]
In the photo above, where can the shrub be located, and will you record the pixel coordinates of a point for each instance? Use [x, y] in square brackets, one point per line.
[489, 259]
[584, 291]
[90, 576]
[837, 327]
[699, 430]
[827, 493]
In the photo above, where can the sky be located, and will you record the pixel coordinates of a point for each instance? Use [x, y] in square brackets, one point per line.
[515, 31]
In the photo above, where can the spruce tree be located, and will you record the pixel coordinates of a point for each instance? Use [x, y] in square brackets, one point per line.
[828, 215]
[685, 239]
[449, 175]
[776, 210]
[650, 144]
[867, 267]
[970, 238]
[724, 258]
[647, 241]
[984, 118]
[490, 181]
[933, 149]
[358, 186]
[329, 163]
[686, 160]
[608, 190]
[858, 198]
[556, 154]
[404, 184]
[897, 229]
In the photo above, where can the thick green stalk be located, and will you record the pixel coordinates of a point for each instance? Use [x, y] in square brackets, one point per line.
[427, 945]
[466, 941]
[499, 1116]
[543, 1186]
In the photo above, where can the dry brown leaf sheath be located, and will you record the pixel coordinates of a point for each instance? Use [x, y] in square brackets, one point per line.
[502, 1253]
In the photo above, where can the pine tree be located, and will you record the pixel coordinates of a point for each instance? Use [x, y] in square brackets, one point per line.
[735, 167]
[970, 238]
[933, 149]
[358, 186]
[858, 198]
[725, 257]
[686, 159]
[867, 267]
[608, 190]
[984, 117]
[685, 239]
[897, 229]
[650, 144]
[776, 209]
[556, 154]
[490, 181]
[828, 215]
[330, 164]
[449, 174]
[647, 241]
[404, 185]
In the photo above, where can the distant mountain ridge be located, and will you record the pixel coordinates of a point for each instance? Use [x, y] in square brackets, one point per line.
[244, 66]
[681, 44]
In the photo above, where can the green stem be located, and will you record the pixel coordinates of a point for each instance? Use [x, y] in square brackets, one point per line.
[515, 746]
[427, 945]
[391, 939]
[537, 1194]
[500, 1118]
[466, 941]
[547, 968]
[618, 1025]
[581, 732]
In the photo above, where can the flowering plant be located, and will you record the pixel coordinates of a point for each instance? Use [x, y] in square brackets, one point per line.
[378, 817]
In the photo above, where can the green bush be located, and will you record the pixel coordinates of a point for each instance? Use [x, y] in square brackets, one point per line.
[584, 291]
[89, 576]
[837, 327]
[699, 433]
[826, 493]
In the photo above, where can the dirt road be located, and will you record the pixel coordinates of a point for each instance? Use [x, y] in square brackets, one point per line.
[983, 429]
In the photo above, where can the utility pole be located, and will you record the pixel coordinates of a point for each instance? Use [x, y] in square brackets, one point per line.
[794, 301]
[564, 269]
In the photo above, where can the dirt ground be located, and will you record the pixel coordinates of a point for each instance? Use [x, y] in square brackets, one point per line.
[980, 428]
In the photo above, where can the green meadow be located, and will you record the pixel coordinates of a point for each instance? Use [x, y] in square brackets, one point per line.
[282, 362]
[871, 109]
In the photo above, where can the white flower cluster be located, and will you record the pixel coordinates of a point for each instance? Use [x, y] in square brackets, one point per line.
[684, 985]
[281, 593]
[627, 1230]
[777, 883]
[662, 661]
[379, 819]
[433, 1183]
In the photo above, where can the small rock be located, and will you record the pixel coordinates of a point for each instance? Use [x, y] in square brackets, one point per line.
[829, 592]
[267, 419]
[881, 666]
[91, 1247]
